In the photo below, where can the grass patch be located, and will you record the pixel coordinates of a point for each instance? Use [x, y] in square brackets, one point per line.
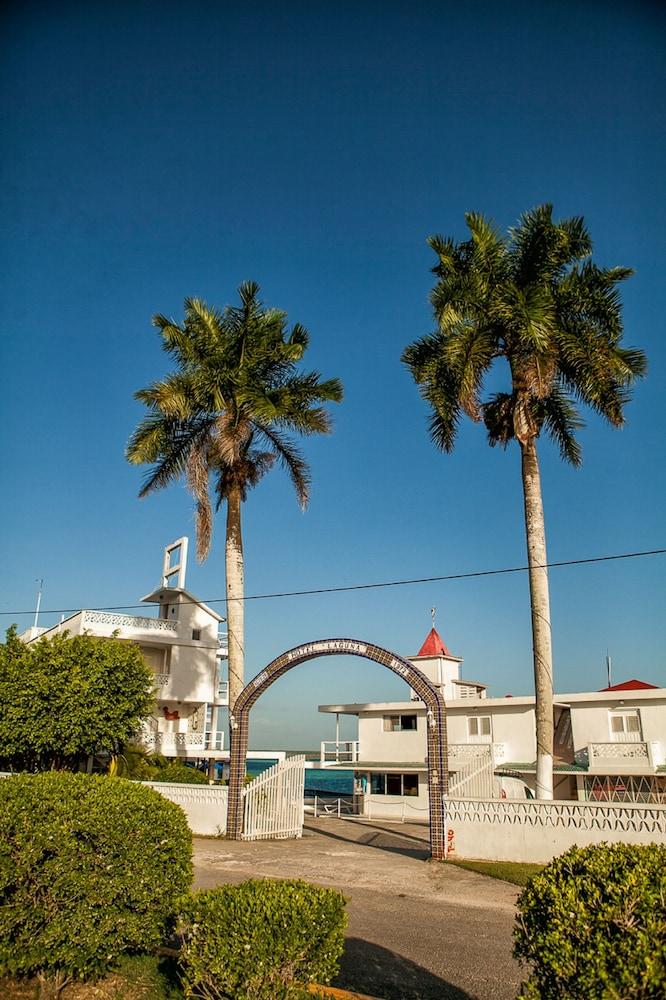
[139, 977]
[518, 872]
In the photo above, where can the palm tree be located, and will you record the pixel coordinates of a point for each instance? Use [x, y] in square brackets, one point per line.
[535, 299]
[226, 413]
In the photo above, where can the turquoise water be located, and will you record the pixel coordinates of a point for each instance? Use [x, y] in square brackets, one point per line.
[324, 782]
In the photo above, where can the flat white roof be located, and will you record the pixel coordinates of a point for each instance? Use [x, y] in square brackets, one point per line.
[602, 697]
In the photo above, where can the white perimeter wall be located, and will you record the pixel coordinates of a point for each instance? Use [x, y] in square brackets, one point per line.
[511, 830]
[205, 806]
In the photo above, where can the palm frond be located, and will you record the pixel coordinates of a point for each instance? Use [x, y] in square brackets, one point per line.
[498, 417]
[558, 415]
[290, 459]
[442, 428]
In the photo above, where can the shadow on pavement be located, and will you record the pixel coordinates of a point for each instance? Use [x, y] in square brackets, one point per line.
[368, 968]
[381, 839]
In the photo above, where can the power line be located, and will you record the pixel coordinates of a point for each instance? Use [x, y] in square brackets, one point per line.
[372, 586]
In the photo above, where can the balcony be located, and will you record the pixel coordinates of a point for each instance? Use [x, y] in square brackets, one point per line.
[338, 752]
[222, 696]
[173, 744]
[620, 757]
[135, 623]
[459, 753]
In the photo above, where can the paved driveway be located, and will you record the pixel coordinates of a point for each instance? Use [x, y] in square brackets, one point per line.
[418, 930]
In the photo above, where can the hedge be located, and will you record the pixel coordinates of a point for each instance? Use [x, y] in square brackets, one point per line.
[592, 925]
[180, 774]
[90, 868]
[261, 940]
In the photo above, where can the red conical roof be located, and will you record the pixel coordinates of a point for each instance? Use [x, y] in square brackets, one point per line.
[433, 645]
[632, 685]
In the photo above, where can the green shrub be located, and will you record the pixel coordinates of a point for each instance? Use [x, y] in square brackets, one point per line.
[90, 868]
[181, 774]
[70, 697]
[593, 925]
[261, 940]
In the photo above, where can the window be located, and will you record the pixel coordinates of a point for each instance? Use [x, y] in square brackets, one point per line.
[625, 726]
[156, 658]
[394, 784]
[196, 633]
[478, 726]
[399, 723]
[410, 784]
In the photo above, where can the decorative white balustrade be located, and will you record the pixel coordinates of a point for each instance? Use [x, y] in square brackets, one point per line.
[339, 752]
[632, 755]
[467, 751]
[154, 740]
[128, 621]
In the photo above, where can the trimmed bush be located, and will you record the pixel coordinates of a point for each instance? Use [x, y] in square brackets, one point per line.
[593, 925]
[90, 868]
[180, 774]
[261, 940]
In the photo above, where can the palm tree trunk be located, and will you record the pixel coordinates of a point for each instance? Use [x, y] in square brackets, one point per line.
[235, 592]
[540, 603]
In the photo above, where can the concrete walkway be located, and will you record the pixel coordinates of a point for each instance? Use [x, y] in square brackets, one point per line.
[418, 930]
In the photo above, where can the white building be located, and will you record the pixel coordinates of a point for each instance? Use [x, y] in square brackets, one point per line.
[610, 745]
[182, 644]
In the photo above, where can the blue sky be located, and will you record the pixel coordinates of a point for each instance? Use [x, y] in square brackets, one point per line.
[156, 151]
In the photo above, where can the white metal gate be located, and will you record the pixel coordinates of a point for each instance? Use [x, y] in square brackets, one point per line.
[274, 802]
[474, 780]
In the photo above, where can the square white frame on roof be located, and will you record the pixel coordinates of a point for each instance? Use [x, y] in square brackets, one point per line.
[175, 563]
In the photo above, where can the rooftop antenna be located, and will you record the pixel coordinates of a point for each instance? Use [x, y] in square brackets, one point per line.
[433, 614]
[39, 600]
[608, 668]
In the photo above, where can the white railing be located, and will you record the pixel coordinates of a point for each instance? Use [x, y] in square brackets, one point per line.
[381, 807]
[274, 804]
[631, 754]
[165, 741]
[577, 816]
[332, 807]
[340, 752]
[474, 780]
[223, 645]
[128, 621]
[223, 691]
[468, 751]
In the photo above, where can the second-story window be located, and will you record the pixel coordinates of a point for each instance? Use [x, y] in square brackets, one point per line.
[478, 726]
[399, 723]
[196, 633]
[625, 726]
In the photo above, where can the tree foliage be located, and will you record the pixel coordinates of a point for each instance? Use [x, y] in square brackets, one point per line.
[261, 940]
[65, 698]
[228, 414]
[592, 925]
[229, 409]
[534, 300]
[91, 868]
